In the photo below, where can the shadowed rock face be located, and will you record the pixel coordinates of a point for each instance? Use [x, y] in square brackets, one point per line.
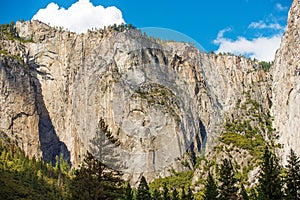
[151, 100]
[24, 116]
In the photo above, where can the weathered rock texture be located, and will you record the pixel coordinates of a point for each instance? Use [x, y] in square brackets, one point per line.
[286, 84]
[137, 103]
[24, 116]
[156, 100]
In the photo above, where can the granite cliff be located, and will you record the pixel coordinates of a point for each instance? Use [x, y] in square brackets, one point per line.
[139, 104]
[286, 84]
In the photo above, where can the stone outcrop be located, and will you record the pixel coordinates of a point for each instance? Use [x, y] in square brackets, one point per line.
[286, 84]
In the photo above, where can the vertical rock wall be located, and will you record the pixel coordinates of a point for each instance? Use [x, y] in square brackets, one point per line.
[286, 84]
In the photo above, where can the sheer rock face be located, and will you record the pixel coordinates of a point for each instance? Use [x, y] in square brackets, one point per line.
[154, 99]
[18, 109]
[286, 84]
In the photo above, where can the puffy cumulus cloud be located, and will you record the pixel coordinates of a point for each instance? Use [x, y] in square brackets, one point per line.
[261, 48]
[80, 16]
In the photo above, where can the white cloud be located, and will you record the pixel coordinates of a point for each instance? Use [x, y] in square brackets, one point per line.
[262, 25]
[261, 48]
[281, 7]
[80, 16]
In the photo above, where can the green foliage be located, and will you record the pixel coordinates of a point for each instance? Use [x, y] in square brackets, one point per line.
[228, 187]
[270, 183]
[9, 32]
[121, 27]
[183, 194]
[190, 195]
[175, 195]
[156, 194]
[266, 65]
[94, 180]
[22, 177]
[143, 192]
[244, 193]
[174, 181]
[293, 177]
[166, 195]
[28, 178]
[247, 132]
[128, 192]
[254, 145]
[211, 189]
[61, 165]
[186, 195]
[2, 51]
[159, 95]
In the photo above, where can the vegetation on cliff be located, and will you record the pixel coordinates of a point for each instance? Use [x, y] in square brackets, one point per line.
[30, 178]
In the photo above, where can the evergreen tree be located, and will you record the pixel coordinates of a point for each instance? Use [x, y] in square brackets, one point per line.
[95, 181]
[128, 192]
[175, 195]
[270, 183]
[97, 178]
[228, 188]
[211, 189]
[25, 178]
[244, 194]
[253, 194]
[183, 195]
[104, 145]
[190, 195]
[293, 177]
[156, 195]
[166, 195]
[143, 190]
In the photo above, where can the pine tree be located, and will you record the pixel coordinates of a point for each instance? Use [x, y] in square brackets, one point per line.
[166, 195]
[95, 181]
[211, 189]
[270, 183]
[293, 177]
[253, 194]
[143, 190]
[156, 195]
[98, 177]
[128, 192]
[183, 195]
[228, 188]
[190, 195]
[175, 195]
[244, 193]
[104, 145]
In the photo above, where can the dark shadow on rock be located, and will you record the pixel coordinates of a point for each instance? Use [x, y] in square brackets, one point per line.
[50, 144]
[199, 143]
[203, 135]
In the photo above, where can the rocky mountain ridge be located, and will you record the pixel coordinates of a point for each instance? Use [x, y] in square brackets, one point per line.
[153, 100]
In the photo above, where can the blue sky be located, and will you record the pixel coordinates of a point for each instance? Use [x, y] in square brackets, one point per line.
[239, 26]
